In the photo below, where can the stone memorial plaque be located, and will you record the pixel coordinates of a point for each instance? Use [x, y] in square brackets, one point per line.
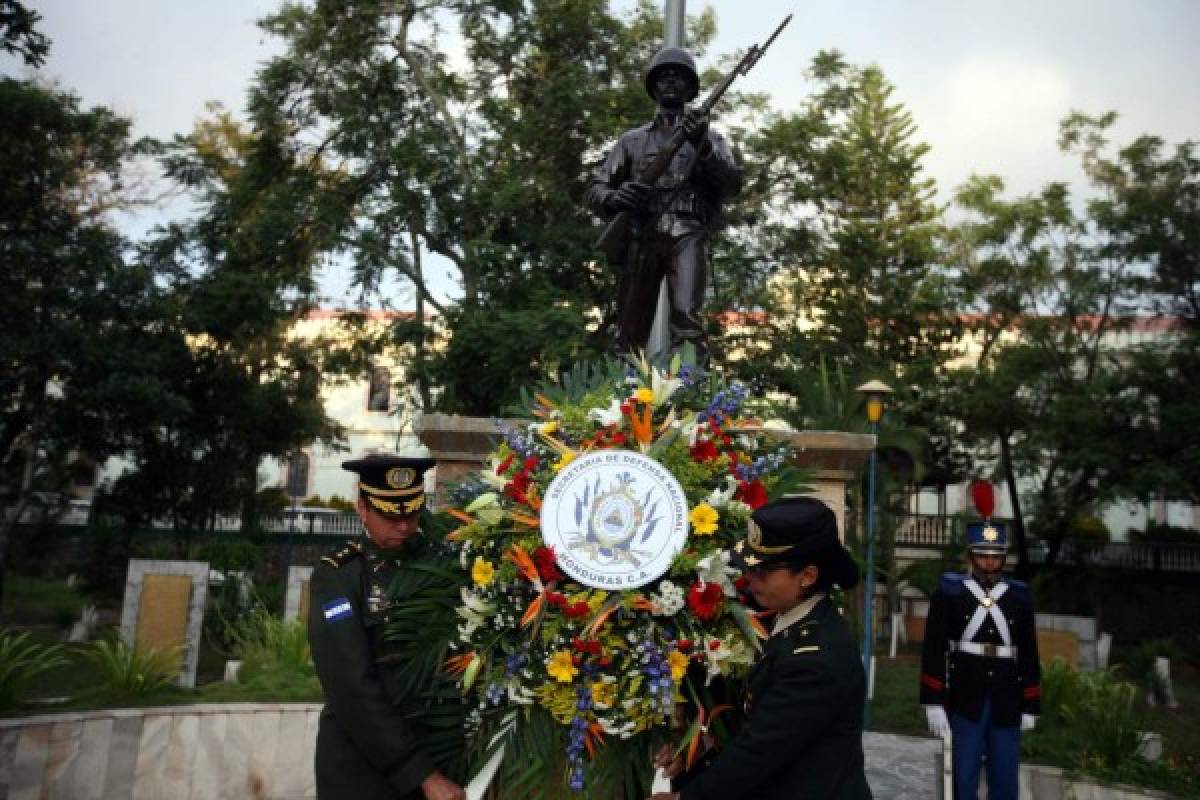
[164, 608]
[163, 613]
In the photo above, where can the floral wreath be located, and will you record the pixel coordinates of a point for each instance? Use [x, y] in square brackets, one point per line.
[606, 666]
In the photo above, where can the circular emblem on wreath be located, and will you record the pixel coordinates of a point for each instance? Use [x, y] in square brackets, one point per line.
[616, 519]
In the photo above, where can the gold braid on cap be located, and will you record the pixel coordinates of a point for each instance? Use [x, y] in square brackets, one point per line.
[754, 536]
[388, 507]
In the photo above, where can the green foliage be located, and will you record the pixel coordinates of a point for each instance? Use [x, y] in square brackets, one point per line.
[19, 35]
[21, 661]
[1090, 725]
[231, 553]
[274, 653]
[129, 672]
[1089, 528]
[38, 599]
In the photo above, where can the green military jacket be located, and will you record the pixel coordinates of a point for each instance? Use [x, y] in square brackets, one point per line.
[366, 747]
[802, 736]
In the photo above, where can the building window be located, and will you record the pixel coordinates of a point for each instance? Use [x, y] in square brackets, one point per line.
[379, 391]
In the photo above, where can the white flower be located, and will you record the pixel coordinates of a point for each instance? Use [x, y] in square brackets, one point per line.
[689, 429]
[721, 496]
[488, 474]
[609, 416]
[715, 569]
[668, 600]
[662, 386]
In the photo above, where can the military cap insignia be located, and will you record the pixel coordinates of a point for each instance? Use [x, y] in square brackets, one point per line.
[991, 534]
[400, 477]
[754, 538]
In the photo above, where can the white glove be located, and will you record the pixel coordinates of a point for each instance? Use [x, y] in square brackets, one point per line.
[1028, 722]
[939, 723]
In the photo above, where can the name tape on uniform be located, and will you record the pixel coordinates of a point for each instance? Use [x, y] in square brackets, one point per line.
[337, 609]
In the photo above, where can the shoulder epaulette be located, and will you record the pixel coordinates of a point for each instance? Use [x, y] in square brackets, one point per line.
[1018, 588]
[344, 556]
[951, 583]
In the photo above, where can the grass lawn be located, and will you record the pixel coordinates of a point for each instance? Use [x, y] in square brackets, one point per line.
[40, 601]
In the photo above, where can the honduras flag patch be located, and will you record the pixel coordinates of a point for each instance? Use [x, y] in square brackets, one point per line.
[337, 609]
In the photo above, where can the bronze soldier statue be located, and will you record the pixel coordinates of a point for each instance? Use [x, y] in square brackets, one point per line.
[672, 218]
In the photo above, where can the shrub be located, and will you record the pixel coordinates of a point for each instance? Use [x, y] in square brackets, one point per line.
[127, 672]
[231, 554]
[22, 660]
[1089, 528]
[274, 653]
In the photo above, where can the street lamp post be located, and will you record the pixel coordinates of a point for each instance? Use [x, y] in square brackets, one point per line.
[876, 393]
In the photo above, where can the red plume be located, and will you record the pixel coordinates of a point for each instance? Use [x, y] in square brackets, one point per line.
[983, 496]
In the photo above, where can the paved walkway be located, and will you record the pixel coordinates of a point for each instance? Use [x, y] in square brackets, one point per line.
[902, 767]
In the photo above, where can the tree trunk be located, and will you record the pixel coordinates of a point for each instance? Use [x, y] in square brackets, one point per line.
[1014, 497]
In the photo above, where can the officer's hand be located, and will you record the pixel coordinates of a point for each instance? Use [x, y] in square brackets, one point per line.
[695, 125]
[631, 196]
[666, 760]
[438, 787]
[1028, 722]
[939, 723]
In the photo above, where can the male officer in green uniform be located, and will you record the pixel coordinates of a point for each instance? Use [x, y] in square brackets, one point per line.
[802, 735]
[980, 677]
[366, 748]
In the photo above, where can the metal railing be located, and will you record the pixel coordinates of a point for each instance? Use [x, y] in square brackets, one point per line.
[1160, 556]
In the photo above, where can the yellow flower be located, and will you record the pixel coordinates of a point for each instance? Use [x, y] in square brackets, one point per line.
[549, 427]
[483, 572]
[704, 519]
[566, 458]
[596, 599]
[644, 395]
[604, 693]
[678, 663]
[561, 667]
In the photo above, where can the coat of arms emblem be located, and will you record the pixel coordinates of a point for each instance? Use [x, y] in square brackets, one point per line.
[616, 519]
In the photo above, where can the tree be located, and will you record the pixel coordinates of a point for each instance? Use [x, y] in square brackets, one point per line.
[19, 35]
[482, 162]
[241, 276]
[76, 320]
[850, 221]
[1048, 400]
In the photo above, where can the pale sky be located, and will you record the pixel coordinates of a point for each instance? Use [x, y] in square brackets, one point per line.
[987, 82]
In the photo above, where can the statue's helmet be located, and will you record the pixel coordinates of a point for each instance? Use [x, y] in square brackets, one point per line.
[672, 57]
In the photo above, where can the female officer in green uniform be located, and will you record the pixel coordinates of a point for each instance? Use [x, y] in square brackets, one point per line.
[366, 748]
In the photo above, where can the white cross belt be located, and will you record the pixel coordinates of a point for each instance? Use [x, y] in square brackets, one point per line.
[987, 605]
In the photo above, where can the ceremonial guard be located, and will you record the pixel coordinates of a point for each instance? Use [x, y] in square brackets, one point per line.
[368, 748]
[802, 733]
[673, 217]
[980, 677]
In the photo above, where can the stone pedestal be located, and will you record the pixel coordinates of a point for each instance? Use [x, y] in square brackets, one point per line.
[461, 446]
[835, 457]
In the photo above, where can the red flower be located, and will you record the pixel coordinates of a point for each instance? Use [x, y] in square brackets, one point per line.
[531, 463]
[627, 408]
[741, 582]
[590, 646]
[618, 438]
[556, 599]
[683, 645]
[714, 645]
[503, 466]
[704, 599]
[546, 563]
[705, 451]
[753, 494]
[576, 610]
